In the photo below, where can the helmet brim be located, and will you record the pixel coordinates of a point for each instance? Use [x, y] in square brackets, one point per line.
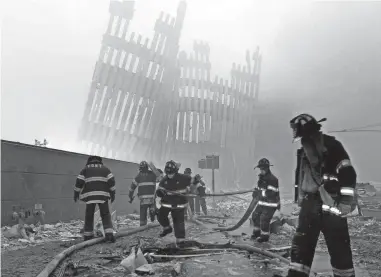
[263, 166]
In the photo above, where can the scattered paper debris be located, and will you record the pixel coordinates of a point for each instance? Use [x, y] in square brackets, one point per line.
[145, 269]
[12, 238]
[135, 260]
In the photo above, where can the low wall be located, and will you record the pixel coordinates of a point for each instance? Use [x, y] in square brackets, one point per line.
[32, 174]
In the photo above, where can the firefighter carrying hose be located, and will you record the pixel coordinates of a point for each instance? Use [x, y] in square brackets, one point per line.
[95, 185]
[326, 195]
[201, 191]
[169, 189]
[267, 193]
[145, 181]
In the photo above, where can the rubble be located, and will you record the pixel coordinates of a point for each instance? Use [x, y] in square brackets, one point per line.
[364, 236]
[13, 238]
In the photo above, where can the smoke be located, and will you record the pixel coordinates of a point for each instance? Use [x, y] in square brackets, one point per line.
[327, 62]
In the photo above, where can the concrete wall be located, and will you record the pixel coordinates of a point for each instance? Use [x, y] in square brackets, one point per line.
[31, 175]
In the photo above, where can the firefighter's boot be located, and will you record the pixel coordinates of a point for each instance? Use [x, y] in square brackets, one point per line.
[255, 234]
[263, 238]
[166, 231]
[152, 214]
[110, 237]
[85, 238]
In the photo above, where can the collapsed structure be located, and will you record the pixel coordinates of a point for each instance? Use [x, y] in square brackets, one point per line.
[150, 101]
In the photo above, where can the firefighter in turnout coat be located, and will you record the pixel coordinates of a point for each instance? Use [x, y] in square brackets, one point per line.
[145, 182]
[325, 192]
[171, 186]
[95, 185]
[267, 193]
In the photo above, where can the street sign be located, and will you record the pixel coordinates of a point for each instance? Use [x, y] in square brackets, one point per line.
[212, 162]
[202, 164]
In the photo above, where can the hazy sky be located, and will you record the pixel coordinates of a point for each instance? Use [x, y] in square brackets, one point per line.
[49, 48]
[324, 59]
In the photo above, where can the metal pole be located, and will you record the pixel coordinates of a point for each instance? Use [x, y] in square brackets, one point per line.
[213, 187]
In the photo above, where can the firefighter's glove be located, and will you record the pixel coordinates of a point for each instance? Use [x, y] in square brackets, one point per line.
[201, 191]
[346, 205]
[112, 197]
[160, 193]
[344, 209]
[256, 193]
[76, 196]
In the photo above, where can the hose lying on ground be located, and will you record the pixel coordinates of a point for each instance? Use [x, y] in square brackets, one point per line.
[248, 212]
[245, 247]
[213, 217]
[64, 254]
[67, 252]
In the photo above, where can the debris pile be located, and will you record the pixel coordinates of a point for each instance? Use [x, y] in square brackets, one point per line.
[16, 237]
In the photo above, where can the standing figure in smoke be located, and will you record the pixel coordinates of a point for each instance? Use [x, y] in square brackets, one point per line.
[201, 191]
[267, 193]
[325, 192]
[191, 200]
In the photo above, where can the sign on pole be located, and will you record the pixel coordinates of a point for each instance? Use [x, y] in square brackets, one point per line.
[202, 164]
[212, 162]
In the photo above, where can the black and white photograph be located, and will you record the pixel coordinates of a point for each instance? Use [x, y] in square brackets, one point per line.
[189, 138]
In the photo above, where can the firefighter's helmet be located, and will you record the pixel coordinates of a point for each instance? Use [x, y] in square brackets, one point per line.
[143, 166]
[197, 177]
[171, 167]
[188, 171]
[263, 163]
[305, 125]
[92, 159]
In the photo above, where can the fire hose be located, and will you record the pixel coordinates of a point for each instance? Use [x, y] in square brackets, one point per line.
[50, 267]
[67, 252]
[208, 194]
[246, 215]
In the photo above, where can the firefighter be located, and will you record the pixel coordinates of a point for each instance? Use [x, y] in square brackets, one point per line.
[170, 187]
[95, 185]
[325, 192]
[145, 181]
[157, 199]
[267, 193]
[191, 200]
[201, 191]
[161, 176]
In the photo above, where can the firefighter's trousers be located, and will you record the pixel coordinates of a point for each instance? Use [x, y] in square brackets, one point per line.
[261, 217]
[191, 201]
[335, 230]
[144, 210]
[104, 211]
[200, 201]
[178, 220]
